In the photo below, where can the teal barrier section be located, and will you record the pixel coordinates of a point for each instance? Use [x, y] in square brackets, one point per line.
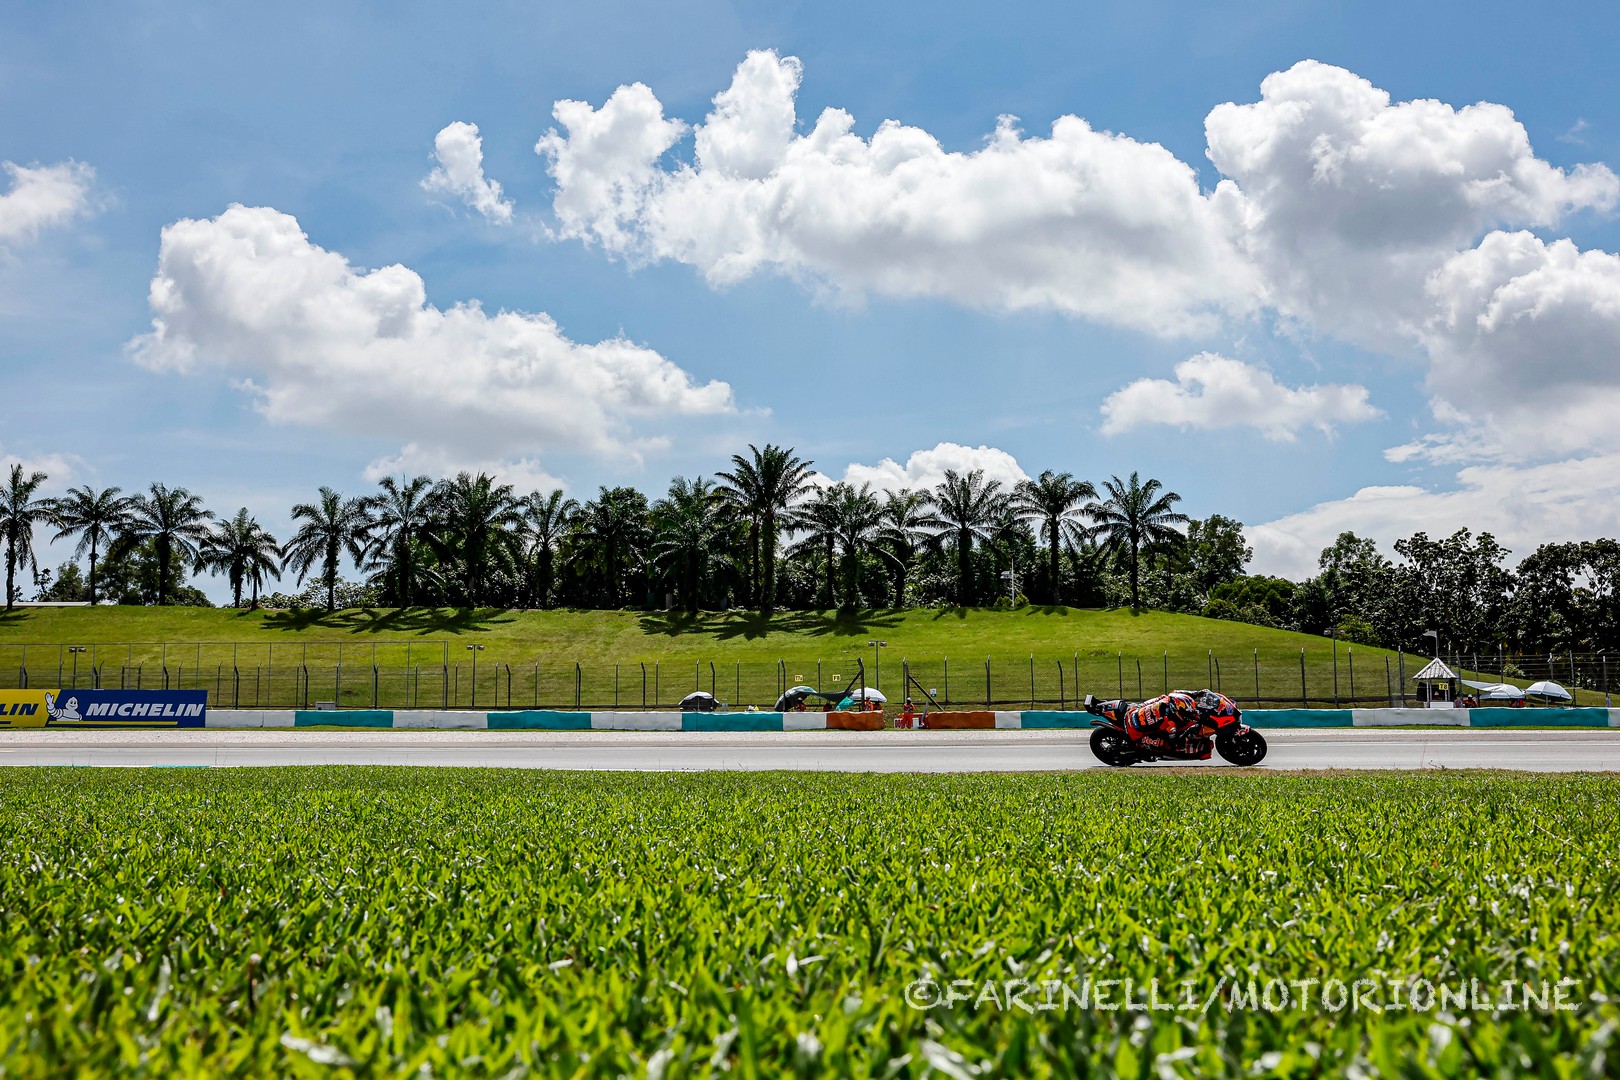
[539, 720]
[1055, 720]
[1538, 718]
[736, 721]
[1277, 718]
[370, 718]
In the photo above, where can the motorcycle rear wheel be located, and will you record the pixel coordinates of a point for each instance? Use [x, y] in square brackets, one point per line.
[1241, 747]
[1112, 747]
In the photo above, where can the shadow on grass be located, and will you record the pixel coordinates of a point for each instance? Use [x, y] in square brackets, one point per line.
[752, 626]
[417, 621]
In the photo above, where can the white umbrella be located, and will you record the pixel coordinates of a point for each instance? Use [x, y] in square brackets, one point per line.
[867, 694]
[1548, 689]
[1501, 692]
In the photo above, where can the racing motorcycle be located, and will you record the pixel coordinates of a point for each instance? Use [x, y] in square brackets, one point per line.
[1180, 726]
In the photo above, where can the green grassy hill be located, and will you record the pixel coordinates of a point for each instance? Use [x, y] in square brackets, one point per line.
[1049, 655]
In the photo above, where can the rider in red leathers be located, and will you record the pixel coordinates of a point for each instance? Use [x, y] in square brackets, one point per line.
[1158, 721]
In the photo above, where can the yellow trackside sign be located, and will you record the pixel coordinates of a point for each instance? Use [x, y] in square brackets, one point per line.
[25, 708]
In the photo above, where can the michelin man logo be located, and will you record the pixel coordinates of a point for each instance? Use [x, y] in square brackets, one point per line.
[68, 712]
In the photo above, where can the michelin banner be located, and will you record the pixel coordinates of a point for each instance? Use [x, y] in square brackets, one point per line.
[102, 708]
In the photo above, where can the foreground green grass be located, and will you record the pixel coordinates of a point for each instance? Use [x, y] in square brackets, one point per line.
[374, 921]
[1061, 650]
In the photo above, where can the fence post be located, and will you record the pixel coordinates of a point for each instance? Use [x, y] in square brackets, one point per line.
[1167, 671]
[739, 682]
[644, 684]
[1121, 659]
[373, 685]
[1351, 651]
[535, 684]
[947, 676]
[1032, 680]
[579, 682]
[1063, 698]
[1257, 676]
[711, 679]
[1304, 699]
[1402, 654]
[655, 683]
[987, 682]
[444, 684]
[1209, 666]
[1139, 694]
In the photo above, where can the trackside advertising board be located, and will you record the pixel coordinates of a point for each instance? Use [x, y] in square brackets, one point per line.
[102, 708]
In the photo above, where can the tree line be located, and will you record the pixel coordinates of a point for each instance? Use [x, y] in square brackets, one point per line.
[765, 535]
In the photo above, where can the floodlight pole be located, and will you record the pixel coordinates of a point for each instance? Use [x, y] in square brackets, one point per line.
[877, 665]
[1333, 632]
[475, 650]
[75, 650]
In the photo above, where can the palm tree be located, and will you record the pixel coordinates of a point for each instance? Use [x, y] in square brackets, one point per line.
[905, 517]
[481, 529]
[332, 525]
[19, 513]
[763, 490]
[967, 507]
[402, 516]
[858, 524]
[176, 523]
[615, 522]
[545, 522]
[1054, 500]
[96, 517]
[243, 551]
[818, 519]
[688, 533]
[1135, 516]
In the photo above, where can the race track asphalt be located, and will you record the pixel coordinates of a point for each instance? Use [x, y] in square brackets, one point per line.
[884, 751]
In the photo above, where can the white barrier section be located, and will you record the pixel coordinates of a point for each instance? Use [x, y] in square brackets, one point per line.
[1405, 717]
[439, 718]
[804, 721]
[1009, 719]
[238, 718]
[1614, 717]
[635, 721]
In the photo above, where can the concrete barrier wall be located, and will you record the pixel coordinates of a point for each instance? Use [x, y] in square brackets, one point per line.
[561, 720]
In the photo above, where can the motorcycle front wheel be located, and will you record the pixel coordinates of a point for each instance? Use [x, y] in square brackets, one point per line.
[1241, 747]
[1112, 746]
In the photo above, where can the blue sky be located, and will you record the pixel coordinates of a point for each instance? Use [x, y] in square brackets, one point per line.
[1385, 322]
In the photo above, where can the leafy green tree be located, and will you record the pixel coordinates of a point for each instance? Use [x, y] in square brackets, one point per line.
[174, 521]
[546, 519]
[243, 551]
[131, 575]
[1134, 516]
[1056, 502]
[968, 508]
[764, 488]
[1216, 551]
[69, 586]
[332, 525]
[95, 517]
[20, 511]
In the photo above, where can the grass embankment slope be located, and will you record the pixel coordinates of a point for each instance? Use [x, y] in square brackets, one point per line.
[1100, 651]
[371, 922]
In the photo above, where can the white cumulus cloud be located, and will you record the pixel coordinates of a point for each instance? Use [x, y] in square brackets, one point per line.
[1346, 202]
[1523, 506]
[1212, 391]
[43, 196]
[925, 469]
[460, 172]
[1080, 221]
[319, 342]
